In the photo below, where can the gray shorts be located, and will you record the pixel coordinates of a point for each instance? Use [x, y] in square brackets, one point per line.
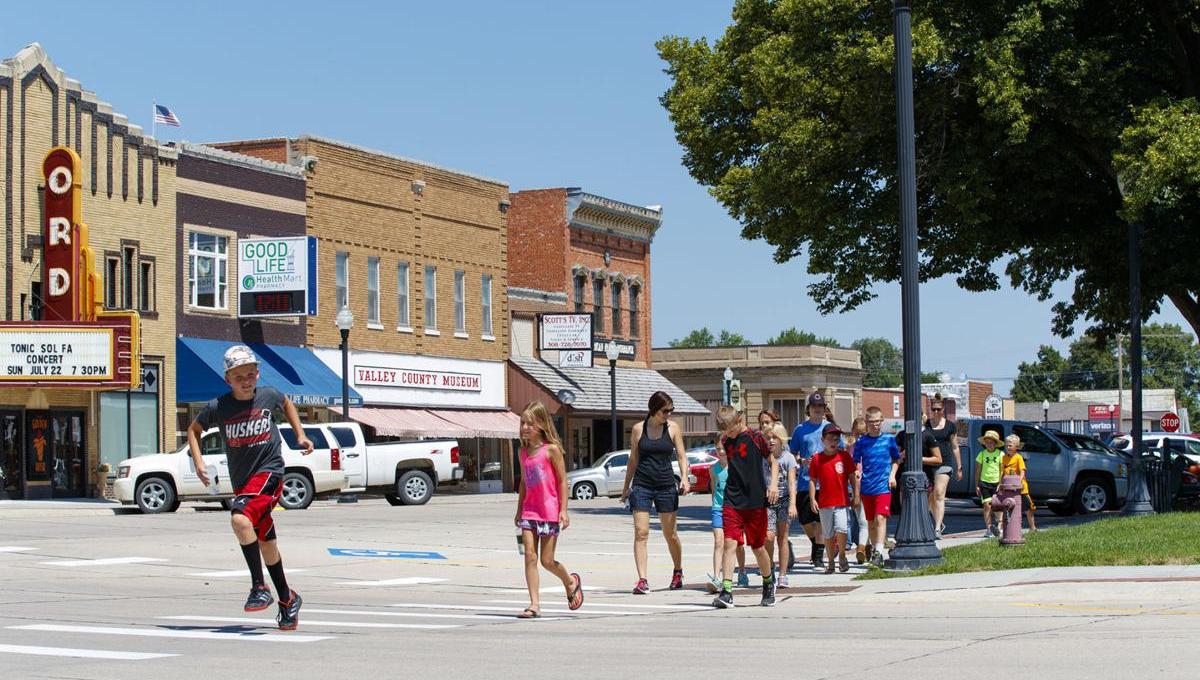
[944, 470]
[834, 521]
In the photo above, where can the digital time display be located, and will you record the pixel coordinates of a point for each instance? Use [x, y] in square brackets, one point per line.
[276, 303]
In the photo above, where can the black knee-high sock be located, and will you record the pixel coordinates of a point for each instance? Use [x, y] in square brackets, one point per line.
[254, 562]
[281, 586]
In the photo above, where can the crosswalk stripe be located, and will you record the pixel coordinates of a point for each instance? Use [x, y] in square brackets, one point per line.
[80, 653]
[466, 607]
[14, 549]
[234, 572]
[310, 622]
[589, 603]
[419, 615]
[408, 581]
[102, 562]
[166, 633]
[546, 589]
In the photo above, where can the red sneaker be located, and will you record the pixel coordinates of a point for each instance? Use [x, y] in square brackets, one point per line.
[642, 587]
[676, 580]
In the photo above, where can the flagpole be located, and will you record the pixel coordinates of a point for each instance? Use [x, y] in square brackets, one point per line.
[153, 119]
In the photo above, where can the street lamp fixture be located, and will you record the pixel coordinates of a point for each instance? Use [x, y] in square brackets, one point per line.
[728, 375]
[612, 353]
[1045, 412]
[1112, 428]
[344, 322]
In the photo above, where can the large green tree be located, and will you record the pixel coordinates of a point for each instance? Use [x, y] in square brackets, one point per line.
[795, 336]
[1027, 111]
[702, 337]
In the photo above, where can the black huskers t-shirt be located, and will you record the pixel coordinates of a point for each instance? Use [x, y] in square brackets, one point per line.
[746, 488]
[249, 432]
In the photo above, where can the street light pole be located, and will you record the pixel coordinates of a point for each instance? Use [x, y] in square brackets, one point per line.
[612, 353]
[1045, 413]
[728, 376]
[1137, 501]
[915, 547]
[344, 322]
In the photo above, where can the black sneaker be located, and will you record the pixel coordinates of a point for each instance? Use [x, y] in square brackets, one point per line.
[289, 612]
[818, 560]
[768, 593]
[724, 600]
[260, 598]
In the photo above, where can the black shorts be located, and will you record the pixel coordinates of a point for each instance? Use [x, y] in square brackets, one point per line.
[663, 500]
[986, 490]
[804, 512]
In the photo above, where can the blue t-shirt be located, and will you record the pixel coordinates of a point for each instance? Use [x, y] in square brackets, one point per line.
[719, 474]
[806, 440]
[876, 455]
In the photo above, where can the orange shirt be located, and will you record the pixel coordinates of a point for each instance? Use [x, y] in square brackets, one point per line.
[1014, 465]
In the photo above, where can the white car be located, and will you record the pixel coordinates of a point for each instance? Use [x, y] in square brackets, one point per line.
[157, 482]
[606, 476]
[1185, 444]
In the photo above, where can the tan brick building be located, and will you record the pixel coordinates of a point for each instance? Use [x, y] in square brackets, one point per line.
[419, 254]
[129, 204]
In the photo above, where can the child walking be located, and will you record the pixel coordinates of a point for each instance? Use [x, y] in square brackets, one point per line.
[878, 458]
[719, 473]
[542, 506]
[860, 538]
[832, 469]
[254, 450]
[987, 476]
[781, 513]
[1013, 463]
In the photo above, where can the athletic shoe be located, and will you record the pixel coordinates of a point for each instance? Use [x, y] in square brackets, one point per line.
[843, 563]
[877, 559]
[783, 580]
[289, 612]
[743, 580]
[861, 554]
[870, 551]
[642, 587]
[819, 558]
[676, 580]
[987, 533]
[768, 594]
[937, 535]
[260, 598]
[724, 600]
[713, 585]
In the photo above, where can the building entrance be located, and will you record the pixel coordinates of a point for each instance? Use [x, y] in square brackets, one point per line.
[11, 449]
[55, 455]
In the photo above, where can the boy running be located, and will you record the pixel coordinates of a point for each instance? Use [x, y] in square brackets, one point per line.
[254, 449]
[747, 495]
[987, 476]
[832, 469]
[878, 459]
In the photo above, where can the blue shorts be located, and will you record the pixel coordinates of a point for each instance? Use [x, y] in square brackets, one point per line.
[663, 500]
[718, 518]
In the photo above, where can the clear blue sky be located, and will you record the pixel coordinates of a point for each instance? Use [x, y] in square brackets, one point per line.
[538, 94]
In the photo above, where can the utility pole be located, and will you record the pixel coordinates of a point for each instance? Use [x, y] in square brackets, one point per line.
[1120, 379]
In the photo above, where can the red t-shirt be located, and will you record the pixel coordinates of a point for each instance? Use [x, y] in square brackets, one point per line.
[831, 473]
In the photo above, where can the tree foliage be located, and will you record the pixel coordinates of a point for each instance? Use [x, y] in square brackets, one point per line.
[1026, 113]
[794, 336]
[702, 337]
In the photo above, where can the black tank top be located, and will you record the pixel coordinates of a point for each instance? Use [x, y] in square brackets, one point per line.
[654, 459]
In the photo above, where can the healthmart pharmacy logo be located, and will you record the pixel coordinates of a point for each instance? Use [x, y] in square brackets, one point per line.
[248, 283]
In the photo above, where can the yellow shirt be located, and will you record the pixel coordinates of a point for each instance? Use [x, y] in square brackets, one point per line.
[1014, 465]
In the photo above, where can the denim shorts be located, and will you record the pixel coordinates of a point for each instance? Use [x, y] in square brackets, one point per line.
[663, 500]
[718, 518]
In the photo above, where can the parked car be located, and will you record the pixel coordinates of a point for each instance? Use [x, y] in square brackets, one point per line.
[407, 472]
[700, 462]
[158, 482]
[606, 476]
[1066, 478]
[1186, 444]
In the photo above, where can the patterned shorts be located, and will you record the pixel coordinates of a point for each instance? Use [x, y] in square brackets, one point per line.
[539, 528]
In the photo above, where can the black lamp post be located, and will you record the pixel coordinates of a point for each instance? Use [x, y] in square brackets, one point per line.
[1137, 500]
[345, 321]
[915, 546]
[612, 352]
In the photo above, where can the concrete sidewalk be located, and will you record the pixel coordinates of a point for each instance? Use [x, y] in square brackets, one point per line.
[1030, 577]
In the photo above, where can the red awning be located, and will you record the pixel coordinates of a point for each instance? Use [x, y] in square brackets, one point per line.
[419, 422]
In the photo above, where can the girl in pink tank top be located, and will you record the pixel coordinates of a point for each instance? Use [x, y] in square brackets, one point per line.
[542, 506]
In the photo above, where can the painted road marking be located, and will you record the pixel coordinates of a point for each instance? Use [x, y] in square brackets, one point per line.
[408, 581]
[546, 589]
[683, 607]
[234, 572]
[103, 562]
[168, 633]
[310, 622]
[79, 653]
[14, 549]
[419, 615]
[471, 608]
[390, 554]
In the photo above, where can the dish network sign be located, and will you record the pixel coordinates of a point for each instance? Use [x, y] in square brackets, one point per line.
[414, 379]
[76, 343]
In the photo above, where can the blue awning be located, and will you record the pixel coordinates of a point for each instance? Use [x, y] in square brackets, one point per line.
[294, 371]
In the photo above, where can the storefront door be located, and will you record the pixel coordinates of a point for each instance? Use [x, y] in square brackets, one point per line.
[11, 450]
[55, 455]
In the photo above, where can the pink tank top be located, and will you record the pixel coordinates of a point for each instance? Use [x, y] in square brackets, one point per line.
[541, 486]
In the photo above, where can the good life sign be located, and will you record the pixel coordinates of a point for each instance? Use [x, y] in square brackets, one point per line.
[277, 276]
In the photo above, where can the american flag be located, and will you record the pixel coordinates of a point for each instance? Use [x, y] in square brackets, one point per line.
[165, 116]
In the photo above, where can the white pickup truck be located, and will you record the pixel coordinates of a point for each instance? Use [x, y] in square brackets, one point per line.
[157, 482]
[407, 472]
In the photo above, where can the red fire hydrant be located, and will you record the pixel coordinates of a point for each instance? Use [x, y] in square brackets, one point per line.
[1007, 501]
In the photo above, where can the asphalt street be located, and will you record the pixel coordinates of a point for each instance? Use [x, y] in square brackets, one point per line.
[433, 591]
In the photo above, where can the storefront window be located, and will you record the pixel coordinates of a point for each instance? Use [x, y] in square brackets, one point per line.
[143, 423]
[10, 454]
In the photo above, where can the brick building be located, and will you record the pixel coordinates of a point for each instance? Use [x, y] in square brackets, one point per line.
[571, 251]
[419, 254]
[128, 184]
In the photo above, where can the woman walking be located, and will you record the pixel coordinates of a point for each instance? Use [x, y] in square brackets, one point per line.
[542, 506]
[650, 481]
[945, 434]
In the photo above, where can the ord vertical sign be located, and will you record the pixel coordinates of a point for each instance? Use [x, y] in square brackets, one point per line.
[76, 343]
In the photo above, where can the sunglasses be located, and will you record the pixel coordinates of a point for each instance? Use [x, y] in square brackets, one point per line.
[874, 422]
[936, 410]
[667, 411]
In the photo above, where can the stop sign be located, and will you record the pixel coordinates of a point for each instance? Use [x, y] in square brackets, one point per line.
[1169, 422]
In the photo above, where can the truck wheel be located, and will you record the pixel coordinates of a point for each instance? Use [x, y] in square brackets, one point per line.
[1091, 495]
[1061, 509]
[297, 491]
[414, 487]
[155, 495]
[584, 491]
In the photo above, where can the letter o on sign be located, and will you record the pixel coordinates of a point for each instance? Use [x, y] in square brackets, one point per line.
[60, 180]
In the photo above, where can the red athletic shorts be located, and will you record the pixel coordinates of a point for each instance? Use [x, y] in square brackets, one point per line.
[255, 500]
[874, 506]
[747, 527]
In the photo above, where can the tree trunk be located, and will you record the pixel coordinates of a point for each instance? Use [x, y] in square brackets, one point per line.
[1187, 305]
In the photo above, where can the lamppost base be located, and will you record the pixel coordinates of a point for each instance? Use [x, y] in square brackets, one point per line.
[1137, 500]
[915, 544]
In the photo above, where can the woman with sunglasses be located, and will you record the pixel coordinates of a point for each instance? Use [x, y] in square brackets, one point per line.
[945, 434]
[650, 481]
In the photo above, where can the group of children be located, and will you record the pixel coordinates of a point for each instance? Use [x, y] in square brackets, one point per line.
[993, 465]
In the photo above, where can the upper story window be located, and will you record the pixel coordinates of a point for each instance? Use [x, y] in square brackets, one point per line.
[616, 308]
[402, 295]
[112, 281]
[460, 302]
[634, 325]
[373, 290]
[580, 288]
[485, 297]
[343, 280]
[128, 266]
[598, 303]
[146, 286]
[431, 298]
[208, 260]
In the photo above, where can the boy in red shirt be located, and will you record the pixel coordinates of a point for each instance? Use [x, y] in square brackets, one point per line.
[832, 470]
